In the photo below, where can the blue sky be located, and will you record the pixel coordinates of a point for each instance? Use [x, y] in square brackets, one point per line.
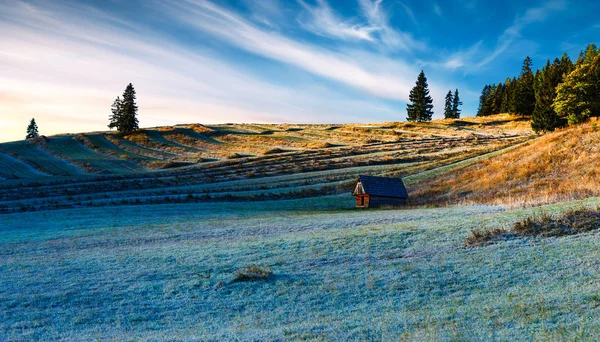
[64, 62]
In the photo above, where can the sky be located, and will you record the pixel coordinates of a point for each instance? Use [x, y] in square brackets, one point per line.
[268, 61]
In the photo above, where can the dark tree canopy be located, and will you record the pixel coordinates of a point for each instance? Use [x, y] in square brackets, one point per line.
[448, 105]
[124, 112]
[561, 93]
[456, 102]
[420, 107]
[544, 118]
[525, 94]
[32, 130]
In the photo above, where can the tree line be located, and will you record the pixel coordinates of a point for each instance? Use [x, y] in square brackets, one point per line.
[420, 107]
[561, 93]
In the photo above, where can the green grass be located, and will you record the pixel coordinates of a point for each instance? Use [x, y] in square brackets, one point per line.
[41, 158]
[168, 272]
[14, 168]
[79, 154]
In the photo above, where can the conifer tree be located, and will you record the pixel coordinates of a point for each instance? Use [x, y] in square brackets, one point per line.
[124, 112]
[456, 102]
[420, 107]
[525, 95]
[448, 113]
[544, 118]
[505, 101]
[483, 109]
[32, 130]
[115, 117]
[128, 115]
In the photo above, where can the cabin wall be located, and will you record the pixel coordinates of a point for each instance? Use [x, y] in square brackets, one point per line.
[379, 202]
[362, 201]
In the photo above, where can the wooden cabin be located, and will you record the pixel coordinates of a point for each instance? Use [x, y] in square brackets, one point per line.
[377, 192]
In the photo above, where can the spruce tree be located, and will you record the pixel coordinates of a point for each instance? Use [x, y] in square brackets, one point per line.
[505, 102]
[544, 118]
[115, 117]
[456, 102]
[448, 113]
[420, 107]
[483, 109]
[32, 130]
[525, 95]
[128, 121]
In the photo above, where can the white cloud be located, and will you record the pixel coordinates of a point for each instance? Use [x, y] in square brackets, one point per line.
[410, 13]
[65, 69]
[373, 11]
[323, 21]
[208, 17]
[438, 10]
[512, 33]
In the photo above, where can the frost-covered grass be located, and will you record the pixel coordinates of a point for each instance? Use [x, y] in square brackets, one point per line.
[167, 271]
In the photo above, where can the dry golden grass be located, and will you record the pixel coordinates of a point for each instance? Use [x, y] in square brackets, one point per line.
[556, 167]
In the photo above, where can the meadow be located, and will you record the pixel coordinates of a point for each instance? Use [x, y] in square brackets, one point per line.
[151, 236]
[165, 272]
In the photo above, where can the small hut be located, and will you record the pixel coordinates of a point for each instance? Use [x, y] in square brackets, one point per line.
[377, 192]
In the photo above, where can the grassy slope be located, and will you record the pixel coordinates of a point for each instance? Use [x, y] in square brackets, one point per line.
[196, 144]
[556, 167]
[163, 272]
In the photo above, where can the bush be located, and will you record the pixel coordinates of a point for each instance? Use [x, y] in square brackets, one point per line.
[575, 221]
[252, 273]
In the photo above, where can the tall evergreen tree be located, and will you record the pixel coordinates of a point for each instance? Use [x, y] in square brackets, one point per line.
[128, 116]
[420, 107]
[512, 95]
[115, 117]
[483, 109]
[544, 118]
[448, 114]
[32, 130]
[456, 102]
[505, 101]
[525, 95]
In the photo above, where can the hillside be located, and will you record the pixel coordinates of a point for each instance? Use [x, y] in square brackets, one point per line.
[238, 162]
[556, 167]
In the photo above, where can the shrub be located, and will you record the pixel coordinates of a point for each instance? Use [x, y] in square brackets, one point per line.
[252, 273]
[575, 221]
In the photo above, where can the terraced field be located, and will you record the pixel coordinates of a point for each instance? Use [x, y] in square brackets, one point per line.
[238, 162]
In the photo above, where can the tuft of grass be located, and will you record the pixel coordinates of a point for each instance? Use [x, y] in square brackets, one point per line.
[252, 273]
[575, 221]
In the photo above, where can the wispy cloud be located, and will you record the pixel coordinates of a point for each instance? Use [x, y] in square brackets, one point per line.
[229, 27]
[64, 64]
[323, 21]
[512, 33]
[392, 38]
[409, 13]
[438, 10]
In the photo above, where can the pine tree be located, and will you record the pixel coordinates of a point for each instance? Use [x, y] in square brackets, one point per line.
[525, 95]
[456, 102]
[544, 118]
[512, 104]
[32, 130]
[448, 113]
[127, 121]
[115, 117]
[420, 107]
[483, 109]
[505, 102]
